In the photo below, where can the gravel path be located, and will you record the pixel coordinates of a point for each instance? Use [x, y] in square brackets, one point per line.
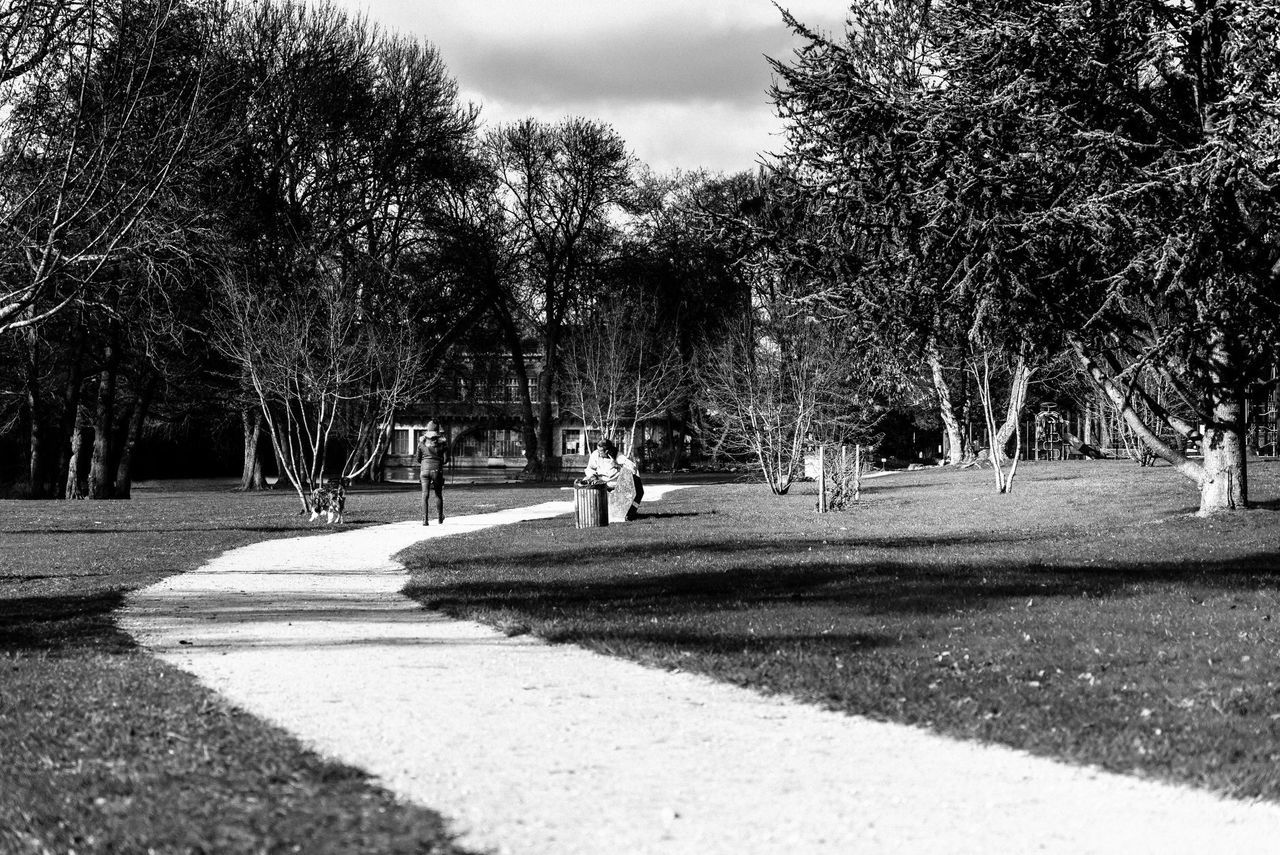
[532, 748]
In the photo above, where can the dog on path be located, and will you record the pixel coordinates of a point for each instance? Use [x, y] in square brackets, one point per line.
[330, 498]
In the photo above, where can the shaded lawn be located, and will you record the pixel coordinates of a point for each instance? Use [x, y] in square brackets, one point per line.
[1090, 616]
[105, 749]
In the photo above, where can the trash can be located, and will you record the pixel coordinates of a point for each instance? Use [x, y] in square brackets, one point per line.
[591, 505]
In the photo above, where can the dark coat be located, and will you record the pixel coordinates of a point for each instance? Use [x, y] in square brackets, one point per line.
[432, 454]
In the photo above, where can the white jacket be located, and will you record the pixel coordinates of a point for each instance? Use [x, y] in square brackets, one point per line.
[606, 467]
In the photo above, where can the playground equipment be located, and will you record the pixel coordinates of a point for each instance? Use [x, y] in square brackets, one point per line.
[1051, 433]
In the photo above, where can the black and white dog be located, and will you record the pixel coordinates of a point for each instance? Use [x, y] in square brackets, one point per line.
[329, 498]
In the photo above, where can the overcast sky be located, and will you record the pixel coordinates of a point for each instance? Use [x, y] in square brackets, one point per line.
[683, 81]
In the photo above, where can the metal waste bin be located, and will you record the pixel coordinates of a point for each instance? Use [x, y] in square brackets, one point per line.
[591, 505]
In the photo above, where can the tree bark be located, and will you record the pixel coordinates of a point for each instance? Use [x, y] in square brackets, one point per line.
[141, 408]
[1226, 484]
[70, 410]
[546, 426]
[37, 485]
[76, 487]
[1013, 413]
[101, 480]
[950, 424]
[251, 477]
[528, 425]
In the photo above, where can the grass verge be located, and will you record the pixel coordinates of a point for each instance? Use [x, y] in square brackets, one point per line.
[1089, 616]
[105, 749]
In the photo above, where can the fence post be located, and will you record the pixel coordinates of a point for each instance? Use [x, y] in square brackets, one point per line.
[857, 472]
[822, 479]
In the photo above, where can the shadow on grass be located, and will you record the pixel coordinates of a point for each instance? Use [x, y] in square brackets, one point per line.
[54, 532]
[770, 577]
[727, 643]
[317, 527]
[63, 624]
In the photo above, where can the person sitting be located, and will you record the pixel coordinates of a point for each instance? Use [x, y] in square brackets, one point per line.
[606, 463]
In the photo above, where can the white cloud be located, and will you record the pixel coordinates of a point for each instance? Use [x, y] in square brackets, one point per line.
[649, 62]
[683, 81]
[720, 137]
[533, 20]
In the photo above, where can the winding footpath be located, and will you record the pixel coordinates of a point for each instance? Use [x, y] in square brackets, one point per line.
[537, 749]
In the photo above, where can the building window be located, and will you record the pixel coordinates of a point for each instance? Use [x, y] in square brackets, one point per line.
[400, 441]
[469, 446]
[504, 443]
[572, 441]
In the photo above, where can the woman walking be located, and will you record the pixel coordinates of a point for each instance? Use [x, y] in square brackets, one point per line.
[431, 455]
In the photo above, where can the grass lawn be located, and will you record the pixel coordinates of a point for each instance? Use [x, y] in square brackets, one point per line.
[104, 749]
[1089, 616]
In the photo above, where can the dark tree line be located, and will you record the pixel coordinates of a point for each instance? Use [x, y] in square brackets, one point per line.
[274, 215]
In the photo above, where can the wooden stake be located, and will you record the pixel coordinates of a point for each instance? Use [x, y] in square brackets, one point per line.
[822, 479]
[857, 472]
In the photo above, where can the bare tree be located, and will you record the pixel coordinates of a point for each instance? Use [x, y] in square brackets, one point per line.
[30, 30]
[348, 145]
[325, 375]
[618, 372]
[1000, 432]
[557, 185]
[90, 139]
[775, 387]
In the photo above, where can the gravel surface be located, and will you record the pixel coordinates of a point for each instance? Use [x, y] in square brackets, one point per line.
[530, 748]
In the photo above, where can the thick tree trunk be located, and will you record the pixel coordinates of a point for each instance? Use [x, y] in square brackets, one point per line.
[101, 480]
[1223, 479]
[1226, 476]
[546, 418]
[1226, 486]
[251, 477]
[954, 441]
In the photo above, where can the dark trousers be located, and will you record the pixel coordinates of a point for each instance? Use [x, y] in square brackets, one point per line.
[432, 482]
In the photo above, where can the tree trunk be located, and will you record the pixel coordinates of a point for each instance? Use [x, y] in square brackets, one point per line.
[1017, 400]
[1141, 430]
[954, 442]
[1226, 487]
[101, 482]
[75, 486]
[546, 391]
[141, 407]
[1017, 394]
[546, 418]
[528, 425]
[38, 486]
[1226, 476]
[71, 393]
[251, 477]
[1106, 437]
